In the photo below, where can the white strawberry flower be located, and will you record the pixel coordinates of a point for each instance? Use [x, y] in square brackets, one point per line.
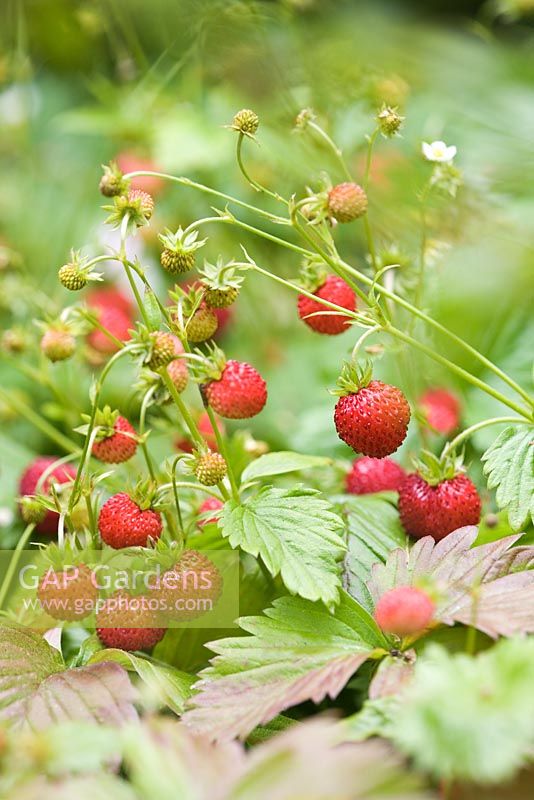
[439, 151]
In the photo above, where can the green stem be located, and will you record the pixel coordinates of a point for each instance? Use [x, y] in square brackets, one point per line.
[126, 264]
[208, 190]
[182, 408]
[404, 337]
[338, 153]
[366, 223]
[465, 434]
[20, 407]
[258, 187]
[221, 444]
[15, 558]
[142, 418]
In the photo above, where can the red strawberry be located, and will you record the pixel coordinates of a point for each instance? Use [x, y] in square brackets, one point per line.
[209, 505]
[206, 429]
[118, 446]
[239, 393]
[368, 475]
[64, 473]
[117, 323]
[68, 595]
[442, 410]
[404, 611]
[373, 420]
[119, 614]
[427, 510]
[190, 588]
[336, 291]
[346, 202]
[129, 161]
[123, 523]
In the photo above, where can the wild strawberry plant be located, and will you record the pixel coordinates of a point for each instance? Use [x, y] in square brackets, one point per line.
[359, 569]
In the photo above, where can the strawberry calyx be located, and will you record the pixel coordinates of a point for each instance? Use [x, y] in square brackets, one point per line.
[210, 367]
[221, 275]
[181, 242]
[434, 470]
[353, 378]
[312, 275]
[146, 494]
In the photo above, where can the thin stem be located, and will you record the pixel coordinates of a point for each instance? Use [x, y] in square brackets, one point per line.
[255, 185]
[221, 444]
[333, 147]
[404, 337]
[465, 434]
[182, 408]
[142, 418]
[41, 424]
[15, 558]
[367, 225]
[126, 264]
[208, 190]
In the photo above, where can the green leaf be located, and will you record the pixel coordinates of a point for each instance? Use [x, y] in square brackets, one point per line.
[295, 532]
[152, 309]
[484, 730]
[37, 690]
[26, 660]
[376, 718]
[509, 466]
[280, 463]
[374, 531]
[168, 685]
[297, 651]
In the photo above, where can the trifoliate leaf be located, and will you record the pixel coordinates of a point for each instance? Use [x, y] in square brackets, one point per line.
[280, 463]
[470, 718]
[470, 582]
[374, 531]
[295, 533]
[297, 651]
[509, 465]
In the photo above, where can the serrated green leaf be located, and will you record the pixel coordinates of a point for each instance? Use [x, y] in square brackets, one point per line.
[281, 463]
[374, 532]
[295, 533]
[509, 466]
[168, 685]
[297, 651]
[376, 718]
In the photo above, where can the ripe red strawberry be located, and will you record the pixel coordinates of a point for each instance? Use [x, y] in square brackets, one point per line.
[239, 393]
[117, 323]
[436, 511]
[123, 523]
[404, 611]
[119, 446]
[129, 161]
[368, 475]
[129, 623]
[346, 202]
[212, 504]
[442, 410]
[69, 594]
[177, 369]
[190, 588]
[64, 473]
[206, 429]
[373, 420]
[336, 291]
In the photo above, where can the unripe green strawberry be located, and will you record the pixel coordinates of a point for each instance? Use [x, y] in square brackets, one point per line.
[58, 344]
[163, 349]
[221, 298]
[176, 262]
[210, 468]
[13, 341]
[31, 510]
[112, 182]
[389, 121]
[246, 121]
[346, 202]
[72, 277]
[202, 324]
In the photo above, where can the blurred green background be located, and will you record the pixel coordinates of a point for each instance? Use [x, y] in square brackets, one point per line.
[81, 82]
